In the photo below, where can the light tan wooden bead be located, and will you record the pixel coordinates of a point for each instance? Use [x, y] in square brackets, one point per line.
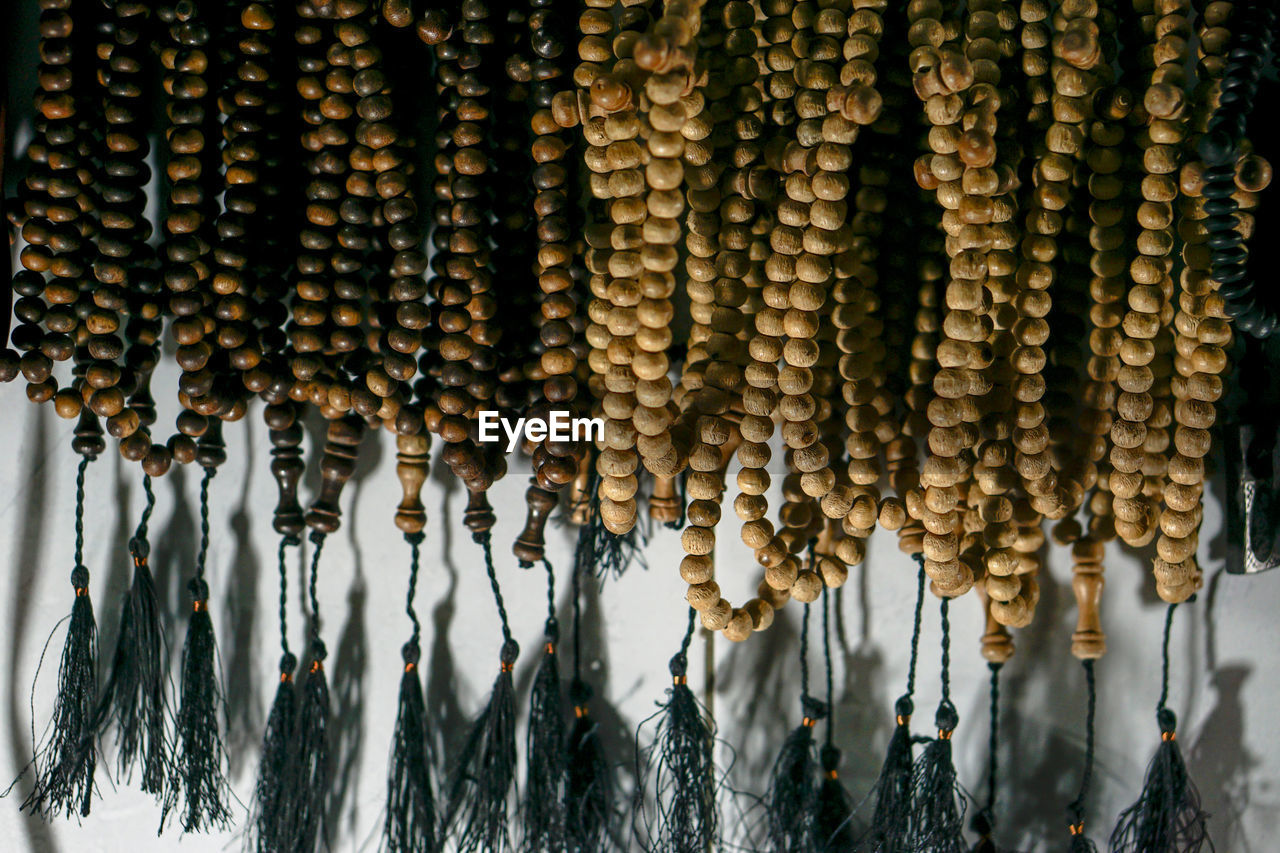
[716, 617]
[806, 587]
[703, 596]
[761, 612]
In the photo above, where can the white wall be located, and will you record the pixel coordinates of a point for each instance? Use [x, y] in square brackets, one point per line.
[1225, 648]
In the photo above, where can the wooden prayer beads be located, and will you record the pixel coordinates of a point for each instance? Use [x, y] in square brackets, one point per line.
[753, 153]
[1139, 434]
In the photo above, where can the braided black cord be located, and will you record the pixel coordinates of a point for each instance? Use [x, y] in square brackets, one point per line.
[826, 654]
[138, 545]
[552, 626]
[679, 664]
[993, 737]
[1164, 658]
[318, 539]
[1077, 805]
[209, 471]
[80, 470]
[415, 545]
[915, 631]
[946, 718]
[285, 655]
[804, 655]
[486, 543]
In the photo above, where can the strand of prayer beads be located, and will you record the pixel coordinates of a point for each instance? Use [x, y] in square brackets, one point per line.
[1139, 433]
[942, 78]
[57, 221]
[617, 272]
[710, 379]
[466, 386]
[670, 102]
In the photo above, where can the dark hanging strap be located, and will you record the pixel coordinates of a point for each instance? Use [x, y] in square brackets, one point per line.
[679, 664]
[287, 660]
[1077, 807]
[317, 645]
[139, 546]
[486, 543]
[826, 656]
[412, 648]
[79, 564]
[904, 706]
[199, 588]
[804, 654]
[551, 629]
[1164, 659]
[993, 739]
[947, 716]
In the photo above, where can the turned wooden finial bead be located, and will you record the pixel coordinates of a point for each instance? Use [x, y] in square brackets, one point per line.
[336, 467]
[412, 461]
[529, 545]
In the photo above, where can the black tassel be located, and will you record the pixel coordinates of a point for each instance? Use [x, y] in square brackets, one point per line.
[135, 699]
[890, 825]
[481, 783]
[486, 770]
[544, 796]
[198, 761]
[679, 770]
[66, 761]
[937, 808]
[793, 790]
[792, 798]
[273, 794]
[411, 806]
[310, 777]
[607, 554]
[833, 829]
[1167, 818]
[890, 822]
[589, 780]
[198, 776]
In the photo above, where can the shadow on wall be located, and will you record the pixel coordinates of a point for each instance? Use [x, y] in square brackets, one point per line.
[239, 625]
[1217, 757]
[27, 562]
